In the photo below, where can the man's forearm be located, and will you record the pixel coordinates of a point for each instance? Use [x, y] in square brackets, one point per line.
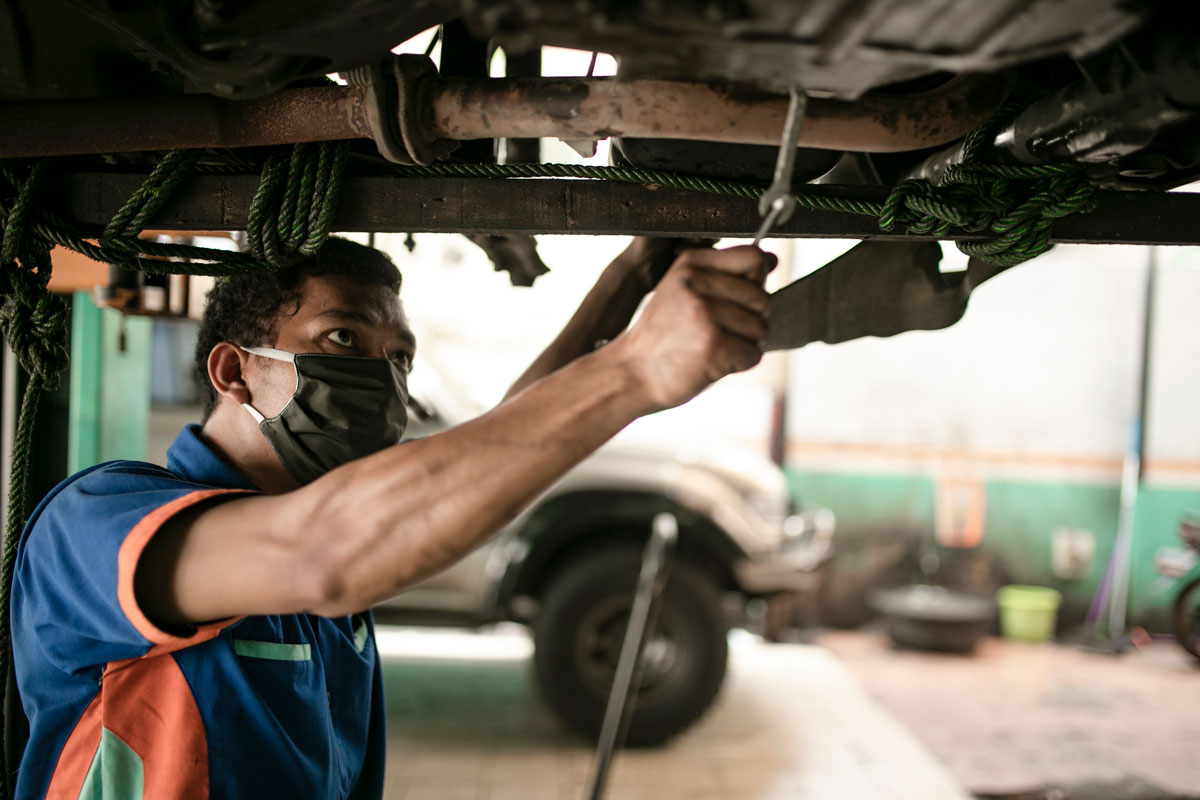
[367, 530]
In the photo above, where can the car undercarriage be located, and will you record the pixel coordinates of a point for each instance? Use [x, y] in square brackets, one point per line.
[700, 87]
[1006, 127]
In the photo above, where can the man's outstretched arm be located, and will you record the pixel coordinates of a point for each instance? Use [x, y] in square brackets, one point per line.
[366, 531]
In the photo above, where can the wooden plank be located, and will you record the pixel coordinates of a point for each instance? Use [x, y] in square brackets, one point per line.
[591, 207]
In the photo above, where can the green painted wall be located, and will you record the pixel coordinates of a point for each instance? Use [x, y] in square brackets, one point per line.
[1023, 516]
[1156, 524]
[1020, 521]
[109, 408]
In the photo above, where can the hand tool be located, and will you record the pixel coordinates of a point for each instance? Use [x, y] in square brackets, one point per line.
[777, 203]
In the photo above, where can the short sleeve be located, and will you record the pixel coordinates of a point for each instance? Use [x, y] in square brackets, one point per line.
[73, 586]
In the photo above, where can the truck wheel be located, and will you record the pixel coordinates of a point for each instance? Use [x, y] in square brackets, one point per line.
[1187, 617]
[578, 635]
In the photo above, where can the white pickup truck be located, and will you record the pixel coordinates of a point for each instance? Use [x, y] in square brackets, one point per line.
[567, 566]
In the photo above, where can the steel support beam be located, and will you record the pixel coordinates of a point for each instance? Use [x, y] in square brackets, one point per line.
[590, 207]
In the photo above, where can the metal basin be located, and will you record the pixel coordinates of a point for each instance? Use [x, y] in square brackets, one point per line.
[934, 617]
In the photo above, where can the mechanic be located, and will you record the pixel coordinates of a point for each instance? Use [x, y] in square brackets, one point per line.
[203, 630]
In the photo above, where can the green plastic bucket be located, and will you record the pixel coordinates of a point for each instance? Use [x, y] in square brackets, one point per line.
[1027, 613]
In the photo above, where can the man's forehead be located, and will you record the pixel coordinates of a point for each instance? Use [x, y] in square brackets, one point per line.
[339, 299]
[324, 293]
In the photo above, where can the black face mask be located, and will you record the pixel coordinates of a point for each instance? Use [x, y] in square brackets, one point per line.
[344, 407]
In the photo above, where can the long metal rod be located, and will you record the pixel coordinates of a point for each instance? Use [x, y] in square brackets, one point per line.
[1131, 471]
[464, 205]
[656, 564]
[581, 108]
[521, 108]
[179, 122]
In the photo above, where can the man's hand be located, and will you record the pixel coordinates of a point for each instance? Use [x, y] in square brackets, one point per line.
[706, 320]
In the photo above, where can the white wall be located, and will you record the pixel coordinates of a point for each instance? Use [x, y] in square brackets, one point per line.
[1044, 363]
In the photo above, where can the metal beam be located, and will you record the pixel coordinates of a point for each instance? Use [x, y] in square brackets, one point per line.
[590, 207]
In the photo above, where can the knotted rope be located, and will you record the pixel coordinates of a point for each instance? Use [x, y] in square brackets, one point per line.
[292, 211]
[1018, 205]
[34, 323]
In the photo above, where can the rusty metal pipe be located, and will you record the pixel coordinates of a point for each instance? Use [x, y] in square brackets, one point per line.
[130, 124]
[566, 108]
[582, 108]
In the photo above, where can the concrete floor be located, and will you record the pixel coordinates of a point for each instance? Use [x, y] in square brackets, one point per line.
[791, 722]
[1044, 720]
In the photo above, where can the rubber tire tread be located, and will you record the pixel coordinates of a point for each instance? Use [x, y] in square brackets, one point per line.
[1183, 627]
[690, 595]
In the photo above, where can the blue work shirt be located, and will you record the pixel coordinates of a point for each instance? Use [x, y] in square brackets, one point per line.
[253, 707]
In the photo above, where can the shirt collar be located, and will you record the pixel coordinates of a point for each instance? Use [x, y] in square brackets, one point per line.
[189, 457]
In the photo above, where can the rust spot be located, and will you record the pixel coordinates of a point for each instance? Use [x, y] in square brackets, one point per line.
[557, 100]
[744, 94]
[889, 118]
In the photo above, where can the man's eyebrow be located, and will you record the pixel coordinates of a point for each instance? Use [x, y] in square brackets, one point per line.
[352, 315]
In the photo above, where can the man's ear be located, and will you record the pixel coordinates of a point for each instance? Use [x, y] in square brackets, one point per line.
[225, 364]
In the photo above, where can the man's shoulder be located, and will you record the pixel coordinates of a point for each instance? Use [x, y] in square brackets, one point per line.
[115, 477]
[98, 491]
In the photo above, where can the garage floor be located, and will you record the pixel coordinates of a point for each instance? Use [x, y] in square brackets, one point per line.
[1044, 721]
[791, 722]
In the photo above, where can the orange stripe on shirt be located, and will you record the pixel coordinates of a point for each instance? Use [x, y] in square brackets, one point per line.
[147, 703]
[76, 755]
[127, 561]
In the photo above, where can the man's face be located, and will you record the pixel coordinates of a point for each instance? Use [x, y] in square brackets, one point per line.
[337, 316]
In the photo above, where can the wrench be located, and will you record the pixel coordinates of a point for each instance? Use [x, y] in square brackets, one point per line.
[777, 203]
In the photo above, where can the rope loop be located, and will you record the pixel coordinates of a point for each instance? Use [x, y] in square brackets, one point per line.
[34, 322]
[1016, 205]
[292, 211]
[16, 221]
[148, 199]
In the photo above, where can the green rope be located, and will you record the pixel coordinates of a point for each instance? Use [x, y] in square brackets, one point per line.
[292, 211]
[34, 322]
[298, 224]
[751, 191]
[1016, 204]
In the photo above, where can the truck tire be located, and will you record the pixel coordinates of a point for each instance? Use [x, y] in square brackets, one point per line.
[578, 635]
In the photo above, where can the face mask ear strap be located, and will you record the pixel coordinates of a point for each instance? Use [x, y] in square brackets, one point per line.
[254, 413]
[271, 352]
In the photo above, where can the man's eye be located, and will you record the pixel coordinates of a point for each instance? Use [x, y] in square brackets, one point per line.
[402, 360]
[342, 337]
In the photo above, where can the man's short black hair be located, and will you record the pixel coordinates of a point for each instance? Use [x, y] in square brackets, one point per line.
[245, 309]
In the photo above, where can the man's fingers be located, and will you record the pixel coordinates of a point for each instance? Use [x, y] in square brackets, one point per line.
[747, 261]
[738, 320]
[714, 285]
[735, 355]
